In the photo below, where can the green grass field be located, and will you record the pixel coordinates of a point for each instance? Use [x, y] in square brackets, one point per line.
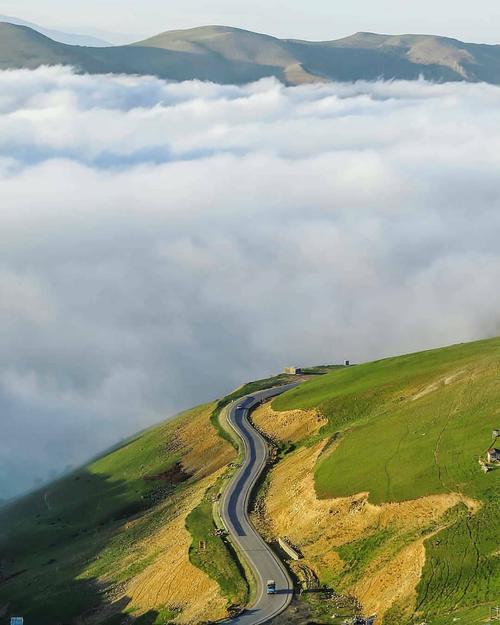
[57, 544]
[215, 557]
[50, 538]
[413, 426]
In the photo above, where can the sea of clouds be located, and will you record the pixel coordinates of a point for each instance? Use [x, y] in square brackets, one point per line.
[162, 243]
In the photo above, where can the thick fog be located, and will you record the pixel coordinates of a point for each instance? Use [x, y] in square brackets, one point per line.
[162, 243]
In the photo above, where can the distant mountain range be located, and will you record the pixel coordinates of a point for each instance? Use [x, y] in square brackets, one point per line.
[231, 55]
[72, 39]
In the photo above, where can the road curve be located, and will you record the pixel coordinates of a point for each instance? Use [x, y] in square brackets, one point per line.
[234, 512]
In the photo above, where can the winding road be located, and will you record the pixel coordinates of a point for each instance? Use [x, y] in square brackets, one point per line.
[264, 564]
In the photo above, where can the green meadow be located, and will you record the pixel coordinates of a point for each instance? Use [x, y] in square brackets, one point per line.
[413, 426]
[58, 543]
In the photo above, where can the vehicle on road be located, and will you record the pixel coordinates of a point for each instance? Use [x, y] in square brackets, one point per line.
[271, 587]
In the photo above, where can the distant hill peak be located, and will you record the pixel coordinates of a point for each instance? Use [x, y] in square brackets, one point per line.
[23, 31]
[202, 33]
[76, 39]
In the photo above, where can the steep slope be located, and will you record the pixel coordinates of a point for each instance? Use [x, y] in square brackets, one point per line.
[267, 55]
[384, 493]
[315, 60]
[111, 538]
[473, 62]
[230, 43]
[58, 35]
[130, 536]
[22, 47]
[231, 55]
[377, 483]
[348, 63]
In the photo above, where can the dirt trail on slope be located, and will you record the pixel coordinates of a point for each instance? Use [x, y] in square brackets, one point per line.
[318, 527]
[434, 386]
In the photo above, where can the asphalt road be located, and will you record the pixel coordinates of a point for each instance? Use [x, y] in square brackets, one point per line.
[234, 512]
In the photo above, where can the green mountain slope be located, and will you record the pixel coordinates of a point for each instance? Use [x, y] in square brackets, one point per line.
[384, 496]
[110, 539]
[21, 46]
[474, 62]
[415, 427]
[231, 55]
[57, 35]
[230, 43]
[130, 536]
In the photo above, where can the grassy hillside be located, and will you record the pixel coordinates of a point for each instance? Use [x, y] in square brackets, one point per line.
[378, 485]
[410, 428]
[230, 43]
[470, 61]
[21, 46]
[231, 55]
[130, 535]
[57, 35]
[110, 539]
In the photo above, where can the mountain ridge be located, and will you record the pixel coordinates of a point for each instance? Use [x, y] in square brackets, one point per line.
[69, 38]
[225, 54]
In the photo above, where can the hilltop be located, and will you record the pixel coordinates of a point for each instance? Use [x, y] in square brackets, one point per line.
[230, 55]
[73, 39]
[376, 482]
[383, 492]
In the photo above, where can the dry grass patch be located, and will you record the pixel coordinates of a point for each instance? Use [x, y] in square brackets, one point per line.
[288, 426]
[171, 580]
[203, 451]
[322, 528]
[165, 579]
[434, 386]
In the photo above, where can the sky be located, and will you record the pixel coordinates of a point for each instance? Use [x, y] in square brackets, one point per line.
[164, 242]
[316, 19]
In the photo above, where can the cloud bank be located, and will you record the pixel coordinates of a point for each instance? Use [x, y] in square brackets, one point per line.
[161, 243]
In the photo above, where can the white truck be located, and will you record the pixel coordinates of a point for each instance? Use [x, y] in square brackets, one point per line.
[271, 587]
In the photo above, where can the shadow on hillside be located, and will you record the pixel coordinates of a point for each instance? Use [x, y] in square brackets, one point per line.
[50, 538]
[174, 64]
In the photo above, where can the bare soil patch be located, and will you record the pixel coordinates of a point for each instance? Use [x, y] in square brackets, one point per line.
[320, 527]
[290, 425]
[171, 580]
[434, 386]
[174, 475]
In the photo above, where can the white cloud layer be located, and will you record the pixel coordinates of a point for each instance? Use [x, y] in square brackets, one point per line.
[161, 243]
